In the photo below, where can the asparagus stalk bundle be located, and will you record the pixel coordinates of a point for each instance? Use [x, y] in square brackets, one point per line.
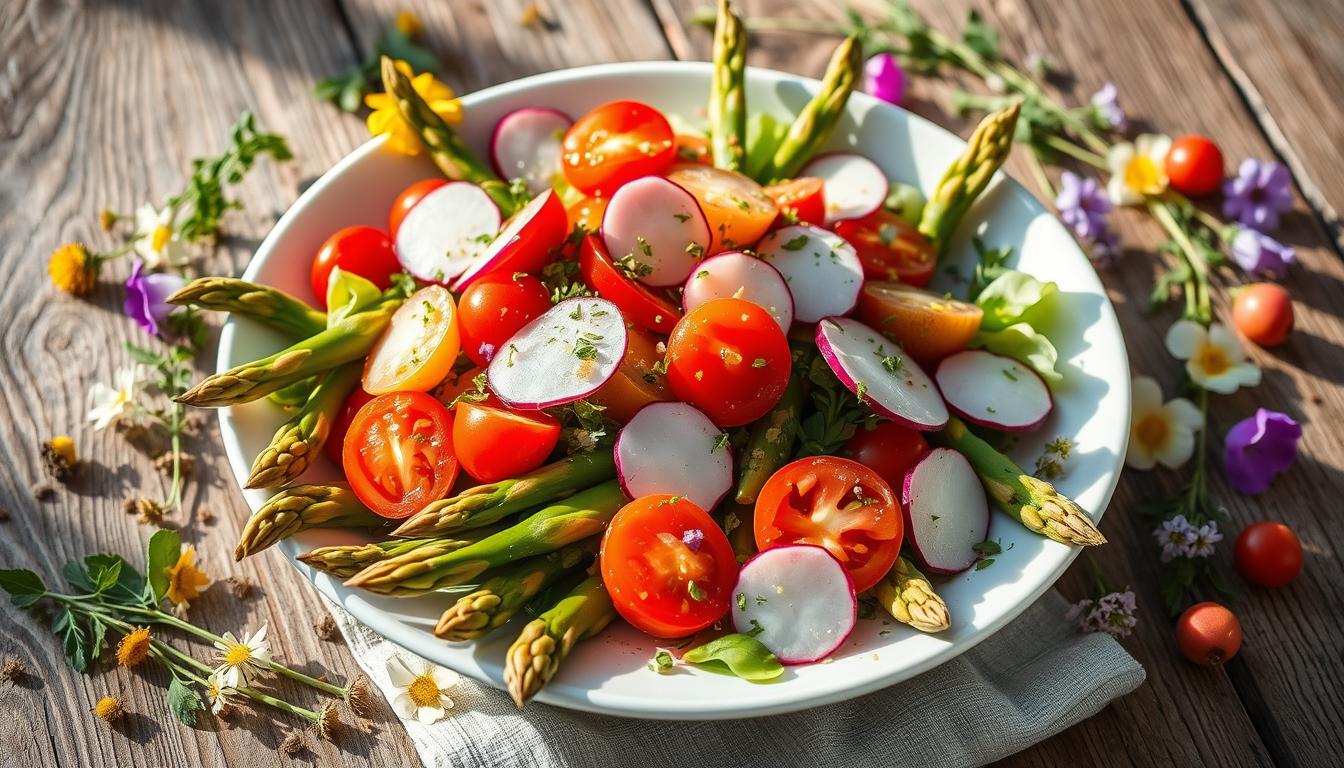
[430, 568]
[1030, 500]
[503, 595]
[299, 441]
[814, 123]
[968, 176]
[345, 560]
[771, 441]
[492, 502]
[300, 508]
[727, 113]
[908, 596]
[535, 656]
[270, 306]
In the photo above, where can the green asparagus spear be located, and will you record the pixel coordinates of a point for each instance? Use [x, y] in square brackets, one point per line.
[299, 441]
[814, 123]
[345, 560]
[737, 523]
[267, 305]
[584, 514]
[489, 503]
[966, 178]
[292, 397]
[535, 656]
[771, 441]
[346, 341]
[908, 596]
[727, 113]
[1031, 501]
[503, 595]
[300, 508]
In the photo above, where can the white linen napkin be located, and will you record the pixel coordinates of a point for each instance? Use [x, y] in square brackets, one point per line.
[1031, 680]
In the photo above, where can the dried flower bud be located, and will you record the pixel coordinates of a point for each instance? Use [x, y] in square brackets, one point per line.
[107, 220]
[293, 744]
[108, 708]
[12, 671]
[328, 721]
[185, 464]
[146, 511]
[326, 628]
[360, 696]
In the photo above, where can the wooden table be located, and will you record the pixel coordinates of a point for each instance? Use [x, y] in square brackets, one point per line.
[103, 105]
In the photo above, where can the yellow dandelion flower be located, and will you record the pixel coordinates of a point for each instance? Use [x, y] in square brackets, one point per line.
[64, 446]
[133, 648]
[107, 220]
[408, 23]
[386, 117]
[108, 708]
[185, 581]
[73, 269]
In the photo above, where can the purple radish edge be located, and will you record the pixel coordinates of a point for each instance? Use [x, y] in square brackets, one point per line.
[833, 362]
[499, 124]
[466, 277]
[987, 423]
[446, 280]
[625, 349]
[695, 205]
[841, 153]
[616, 452]
[907, 503]
[849, 582]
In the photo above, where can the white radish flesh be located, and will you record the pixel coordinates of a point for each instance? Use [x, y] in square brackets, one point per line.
[798, 600]
[545, 215]
[565, 355]
[946, 512]
[659, 225]
[873, 368]
[853, 185]
[673, 448]
[822, 270]
[994, 391]
[447, 231]
[526, 145]
[734, 274]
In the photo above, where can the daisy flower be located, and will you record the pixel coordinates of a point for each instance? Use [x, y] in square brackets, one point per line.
[1206, 536]
[1175, 537]
[420, 691]
[133, 647]
[1138, 170]
[155, 241]
[110, 404]
[1213, 357]
[218, 694]
[1160, 432]
[237, 658]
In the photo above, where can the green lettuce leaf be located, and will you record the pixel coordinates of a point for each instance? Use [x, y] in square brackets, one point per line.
[348, 293]
[736, 654]
[1014, 295]
[1022, 342]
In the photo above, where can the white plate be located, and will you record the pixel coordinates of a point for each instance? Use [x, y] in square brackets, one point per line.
[608, 674]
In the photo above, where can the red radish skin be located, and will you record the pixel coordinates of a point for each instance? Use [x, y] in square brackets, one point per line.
[734, 274]
[994, 391]
[790, 591]
[526, 243]
[822, 270]
[946, 512]
[445, 233]
[565, 355]
[853, 185]
[858, 356]
[526, 144]
[672, 448]
[659, 225]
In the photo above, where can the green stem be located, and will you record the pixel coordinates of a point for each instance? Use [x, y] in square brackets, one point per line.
[1042, 179]
[163, 649]
[1197, 482]
[1197, 306]
[1061, 144]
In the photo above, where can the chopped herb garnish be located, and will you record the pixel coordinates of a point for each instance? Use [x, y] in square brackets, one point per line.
[759, 362]
[693, 590]
[577, 314]
[760, 600]
[513, 351]
[484, 237]
[796, 244]
[983, 564]
[682, 217]
[702, 273]
[584, 349]
[695, 249]
[644, 247]
[860, 390]
[720, 442]
[662, 661]
[990, 409]
[741, 601]
[755, 630]
[1009, 374]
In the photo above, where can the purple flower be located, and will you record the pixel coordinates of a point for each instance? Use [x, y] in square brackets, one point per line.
[1107, 104]
[1205, 537]
[1175, 535]
[1083, 206]
[883, 78]
[1257, 449]
[145, 295]
[1259, 193]
[693, 538]
[1104, 249]
[1114, 614]
[1260, 254]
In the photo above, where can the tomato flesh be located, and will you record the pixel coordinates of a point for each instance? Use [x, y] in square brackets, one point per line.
[729, 358]
[801, 200]
[494, 307]
[693, 149]
[668, 566]
[890, 248]
[637, 382]
[737, 208]
[364, 251]
[418, 348]
[888, 449]
[615, 143]
[586, 213]
[494, 442]
[1194, 165]
[407, 200]
[341, 426]
[928, 326]
[398, 454]
[637, 302]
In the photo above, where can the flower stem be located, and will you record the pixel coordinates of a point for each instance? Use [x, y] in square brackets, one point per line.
[1196, 289]
[1061, 144]
[1037, 169]
[251, 693]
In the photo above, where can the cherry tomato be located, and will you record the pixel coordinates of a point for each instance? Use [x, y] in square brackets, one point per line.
[637, 382]
[928, 326]
[494, 442]
[398, 454]
[888, 449]
[637, 302]
[890, 248]
[455, 383]
[418, 348]
[1263, 312]
[1195, 165]
[365, 251]
[528, 242]
[335, 443]
[407, 200]
[668, 566]
[1208, 634]
[837, 504]
[729, 358]
[615, 143]
[1268, 554]
[800, 200]
[586, 213]
[693, 149]
[493, 308]
[737, 208]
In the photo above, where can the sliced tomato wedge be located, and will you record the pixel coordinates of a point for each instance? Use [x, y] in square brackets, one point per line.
[928, 326]
[637, 382]
[668, 566]
[586, 213]
[494, 442]
[398, 454]
[837, 504]
[693, 149]
[637, 303]
[800, 200]
[736, 207]
[418, 348]
[615, 143]
[890, 248]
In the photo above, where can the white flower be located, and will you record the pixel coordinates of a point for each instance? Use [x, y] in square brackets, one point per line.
[1137, 170]
[1205, 537]
[237, 658]
[1214, 358]
[220, 695]
[421, 693]
[1160, 433]
[108, 404]
[1175, 535]
[155, 241]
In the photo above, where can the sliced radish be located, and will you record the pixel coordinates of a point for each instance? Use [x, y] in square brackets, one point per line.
[526, 243]
[852, 184]
[994, 391]
[447, 231]
[946, 512]
[822, 270]
[526, 145]
[798, 600]
[659, 225]
[734, 274]
[674, 448]
[873, 368]
[566, 354]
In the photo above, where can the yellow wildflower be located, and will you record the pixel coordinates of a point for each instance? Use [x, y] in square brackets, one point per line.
[64, 446]
[108, 708]
[107, 220]
[185, 580]
[133, 648]
[73, 269]
[408, 23]
[386, 117]
[1138, 170]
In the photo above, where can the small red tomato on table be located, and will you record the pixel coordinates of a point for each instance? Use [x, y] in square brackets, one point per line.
[1208, 634]
[1194, 165]
[1263, 312]
[1268, 554]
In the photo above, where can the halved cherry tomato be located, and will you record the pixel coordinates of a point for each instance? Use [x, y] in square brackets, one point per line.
[693, 149]
[636, 383]
[493, 308]
[407, 200]
[637, 303]
[493, 441]
[1194, 164]
[888, 449]
[398, 454]
[615, 143]
[528, 241]
[668, 566]
[928, 326]
[587, 213]
[800, 200]
[364, 251]
[837, 504]
[418, 348]
[890, 248]
[729, 358]
[335, 443]
[737, 208]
